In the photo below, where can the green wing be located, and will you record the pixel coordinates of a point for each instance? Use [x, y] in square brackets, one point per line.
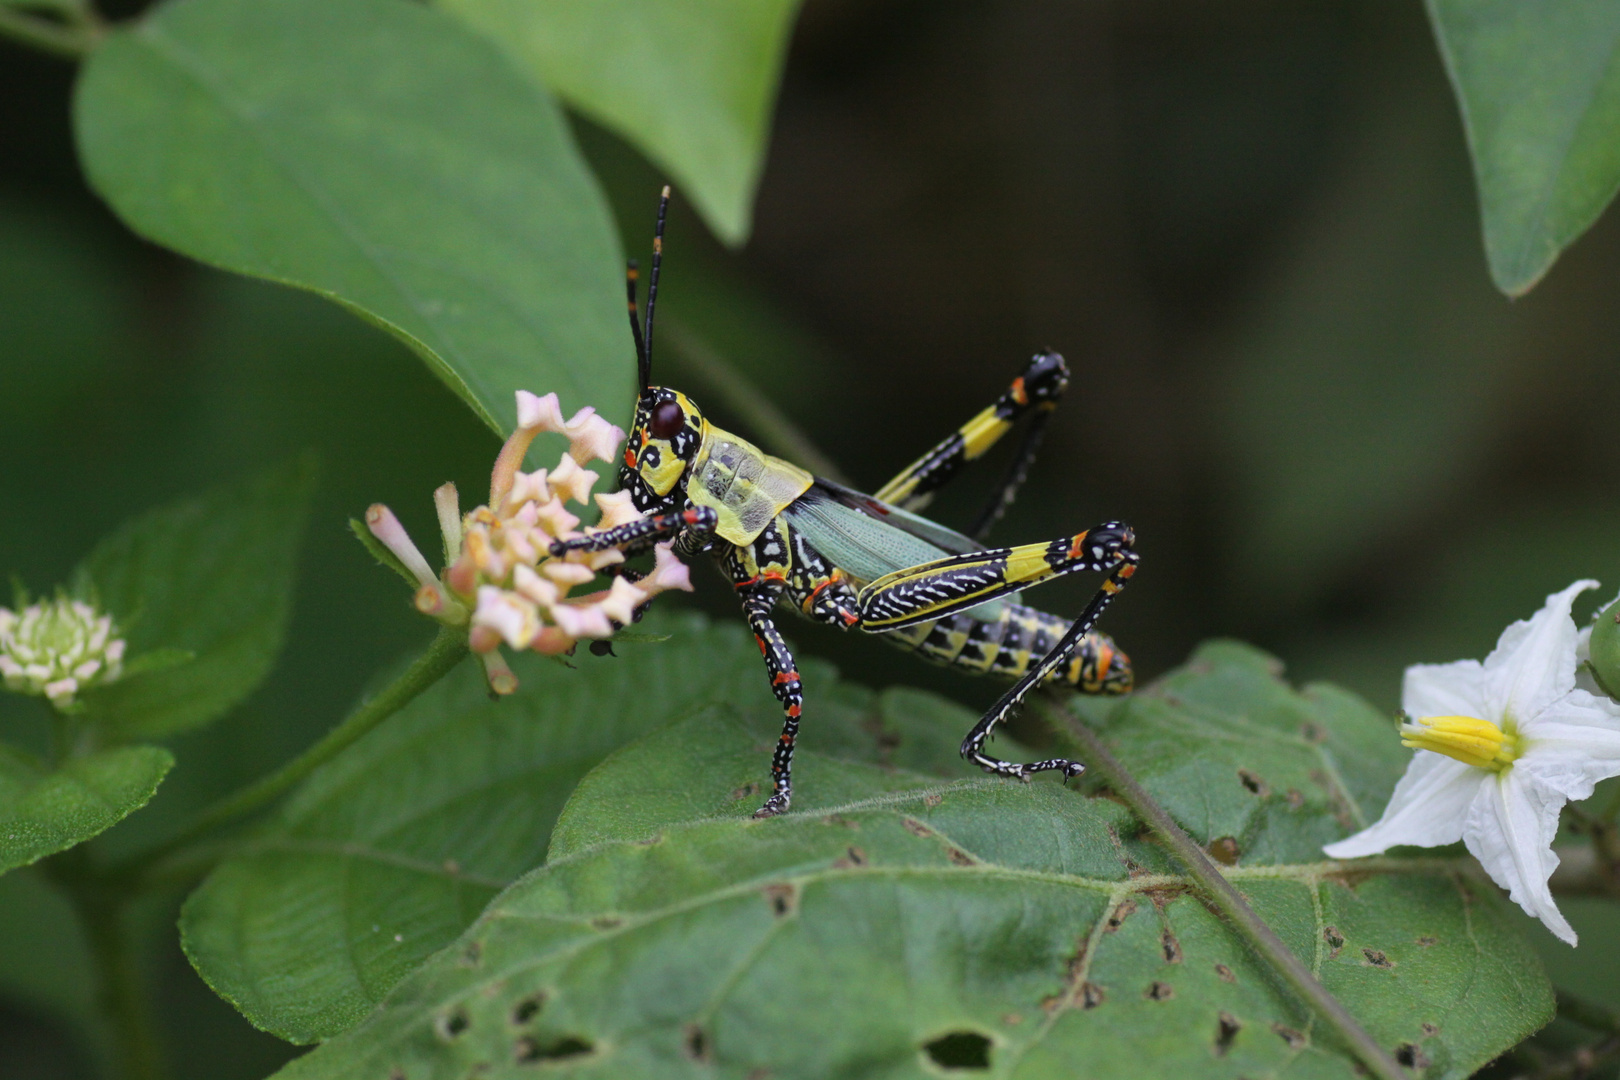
[867, 538]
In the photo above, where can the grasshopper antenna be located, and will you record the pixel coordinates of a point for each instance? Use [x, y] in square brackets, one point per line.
[643, 362]
[652, 284]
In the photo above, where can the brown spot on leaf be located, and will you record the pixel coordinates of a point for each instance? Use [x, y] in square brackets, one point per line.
[1412, 1056]
[1334, 939]
[1160, 991]
[1312, 732]
[606, 922]
[1430, 1030]
[1224, 973]
[473, 954]
[528, 1008]
[450, 1025]
[696, 1044]
[1172, 947]
[1120, 914]
[529, 1049]
[452, 867]
[1252, 783]
[1226, 1029]
[1296, 801]
[1225, 850]
[840, 819]
[1294, 1039]
[933, 799]
[782, 897]
[1425, 941]
[853, 857]
[961, 858]
[747, 791]
[915, 827]
[1377, 959]
[651, 841]
[1012, 1019]
[1091, 995]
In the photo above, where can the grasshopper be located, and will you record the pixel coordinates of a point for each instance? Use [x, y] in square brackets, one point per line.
[869, 562]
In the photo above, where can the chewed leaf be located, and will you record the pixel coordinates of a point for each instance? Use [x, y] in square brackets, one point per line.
[378, 153]
[388, 853]
[969, 925]
[43, 811]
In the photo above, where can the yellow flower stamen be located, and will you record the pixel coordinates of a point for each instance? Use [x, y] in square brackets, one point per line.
[1479, 743]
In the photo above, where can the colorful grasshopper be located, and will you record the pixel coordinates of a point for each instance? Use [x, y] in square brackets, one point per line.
[866, 561]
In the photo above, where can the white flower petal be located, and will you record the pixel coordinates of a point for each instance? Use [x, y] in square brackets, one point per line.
[1533, 663]
[1573, 744]
[1427, 809]
[1455, 689]
[1510, 830]
[539, 413]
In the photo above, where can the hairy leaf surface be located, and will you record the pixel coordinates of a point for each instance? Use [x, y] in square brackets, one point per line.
[1539, 87]
[210, 576]
[1015, 930]
[43, 810]
[380, 154]
[692, 83]
[388, 853]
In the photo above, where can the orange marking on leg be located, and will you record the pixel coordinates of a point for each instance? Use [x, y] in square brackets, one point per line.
[1077, 548]
[785, 677]
[793, 711]
[629, 458]
[1019, 394]
[761, 643]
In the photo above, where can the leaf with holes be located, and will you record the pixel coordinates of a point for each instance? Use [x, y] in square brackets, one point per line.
[978, 925]
[692, 83]
[379, 153]
[43, 810]
[388, 853]
[1539, 87]
[202, 589]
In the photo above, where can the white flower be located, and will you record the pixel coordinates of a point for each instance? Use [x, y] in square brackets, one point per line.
[1501, 747]
[58, 649]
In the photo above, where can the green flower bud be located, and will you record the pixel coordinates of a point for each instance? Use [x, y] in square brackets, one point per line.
[1604, 649]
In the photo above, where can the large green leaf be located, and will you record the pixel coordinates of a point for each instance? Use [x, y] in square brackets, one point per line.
[43, 810]
[1004, 929]
[691, 82]
[1539, 87]
[212, 576]
[387, 854]
[378, 153]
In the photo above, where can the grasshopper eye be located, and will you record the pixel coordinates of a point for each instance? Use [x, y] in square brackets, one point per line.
[667, 419]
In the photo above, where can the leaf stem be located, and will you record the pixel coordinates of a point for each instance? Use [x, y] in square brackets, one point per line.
[1226, 899]
[71, 41]
[447, 650]
[768, 422]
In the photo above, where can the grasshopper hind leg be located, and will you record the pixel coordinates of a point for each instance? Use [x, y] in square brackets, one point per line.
[973, 745]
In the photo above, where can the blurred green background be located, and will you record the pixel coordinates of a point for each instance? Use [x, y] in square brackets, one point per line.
[1250, 227]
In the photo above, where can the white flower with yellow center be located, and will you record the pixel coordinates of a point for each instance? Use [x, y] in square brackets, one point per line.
[58, 649]
[1502, 745]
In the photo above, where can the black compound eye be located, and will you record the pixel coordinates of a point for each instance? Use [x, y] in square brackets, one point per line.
[667, 419]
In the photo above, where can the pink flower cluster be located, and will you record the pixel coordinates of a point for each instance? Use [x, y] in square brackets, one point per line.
[500, 578]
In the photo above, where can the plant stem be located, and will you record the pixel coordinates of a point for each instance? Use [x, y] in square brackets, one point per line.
[1226, 899]
[448, 650]
[768, 423]
[69, 42]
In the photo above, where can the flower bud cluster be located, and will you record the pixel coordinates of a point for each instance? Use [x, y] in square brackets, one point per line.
[58, 649]
[501, 580]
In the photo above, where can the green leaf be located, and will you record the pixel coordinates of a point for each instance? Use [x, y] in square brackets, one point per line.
[388, 853]
[1539, 88]
[211, 576]
[908, 929]
[692, 83]
[44, 811]
[377, 153]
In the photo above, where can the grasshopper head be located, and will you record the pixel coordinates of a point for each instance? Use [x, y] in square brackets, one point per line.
[665, 437]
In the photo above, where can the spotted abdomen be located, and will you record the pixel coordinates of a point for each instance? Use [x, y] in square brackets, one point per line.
[1006, 647]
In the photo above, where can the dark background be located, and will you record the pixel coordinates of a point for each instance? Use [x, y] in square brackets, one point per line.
[1250, 227]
